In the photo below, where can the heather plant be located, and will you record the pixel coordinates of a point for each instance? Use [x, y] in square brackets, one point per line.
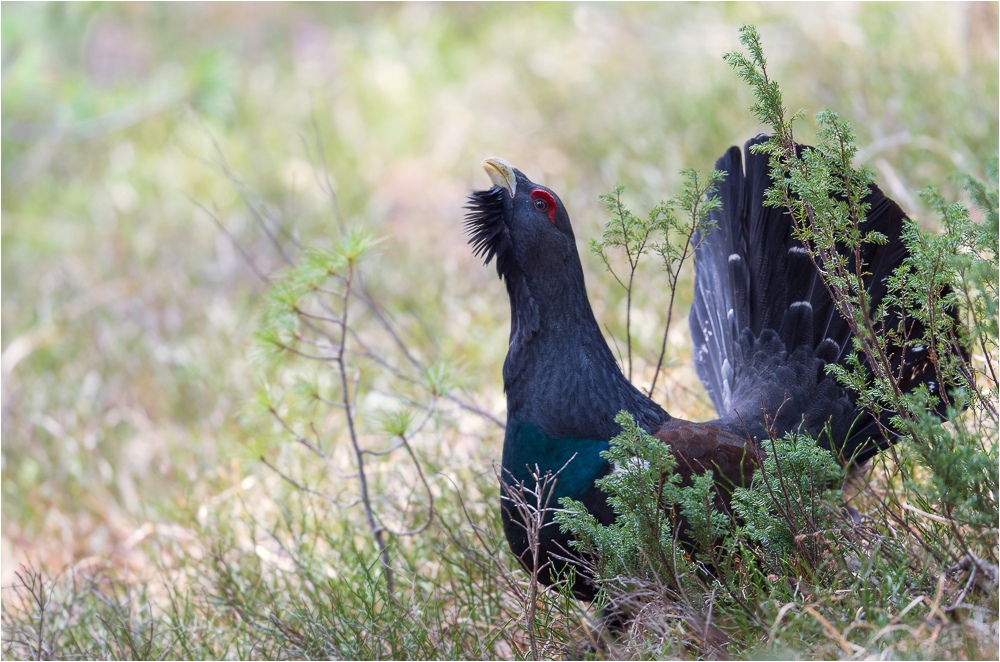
[935, 285]
[668, 231]
[924, 541]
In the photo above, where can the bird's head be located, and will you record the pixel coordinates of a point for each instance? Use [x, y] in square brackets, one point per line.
[523, 225]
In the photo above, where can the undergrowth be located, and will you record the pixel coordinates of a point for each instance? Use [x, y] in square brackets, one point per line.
[914, 573]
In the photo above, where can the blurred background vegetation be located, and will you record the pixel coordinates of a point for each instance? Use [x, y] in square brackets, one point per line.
[127, 316]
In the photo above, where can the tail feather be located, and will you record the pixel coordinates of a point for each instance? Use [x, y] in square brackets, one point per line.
[800, 270]
[764, 325]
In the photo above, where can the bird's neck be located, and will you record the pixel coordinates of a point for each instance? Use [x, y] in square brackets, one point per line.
[559, 373]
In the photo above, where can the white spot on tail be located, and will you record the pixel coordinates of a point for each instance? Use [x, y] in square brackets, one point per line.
[639, 464]
[727, 389]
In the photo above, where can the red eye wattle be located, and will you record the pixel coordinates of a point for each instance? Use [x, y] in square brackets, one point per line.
[544, 202]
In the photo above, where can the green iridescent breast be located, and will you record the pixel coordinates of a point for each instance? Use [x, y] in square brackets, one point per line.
[576, 463]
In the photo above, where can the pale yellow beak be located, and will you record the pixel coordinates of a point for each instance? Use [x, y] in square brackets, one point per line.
[501, 174]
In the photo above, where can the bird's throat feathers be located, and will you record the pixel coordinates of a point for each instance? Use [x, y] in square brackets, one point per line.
[524, 314]
[487, 230]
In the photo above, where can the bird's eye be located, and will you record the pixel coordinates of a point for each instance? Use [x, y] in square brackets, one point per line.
[545, 203]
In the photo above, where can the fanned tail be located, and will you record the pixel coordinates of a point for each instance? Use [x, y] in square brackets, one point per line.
[763, 324]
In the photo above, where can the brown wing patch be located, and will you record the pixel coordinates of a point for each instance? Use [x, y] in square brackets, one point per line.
[700, 447]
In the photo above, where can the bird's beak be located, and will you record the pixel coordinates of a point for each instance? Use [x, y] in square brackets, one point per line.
[501, 174]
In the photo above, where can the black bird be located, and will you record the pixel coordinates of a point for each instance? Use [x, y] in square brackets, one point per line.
[763, 327]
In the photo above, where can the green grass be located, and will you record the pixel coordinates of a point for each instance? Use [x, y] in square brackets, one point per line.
[138, 520]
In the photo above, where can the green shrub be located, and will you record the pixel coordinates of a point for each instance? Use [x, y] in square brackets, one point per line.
[795, 554]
